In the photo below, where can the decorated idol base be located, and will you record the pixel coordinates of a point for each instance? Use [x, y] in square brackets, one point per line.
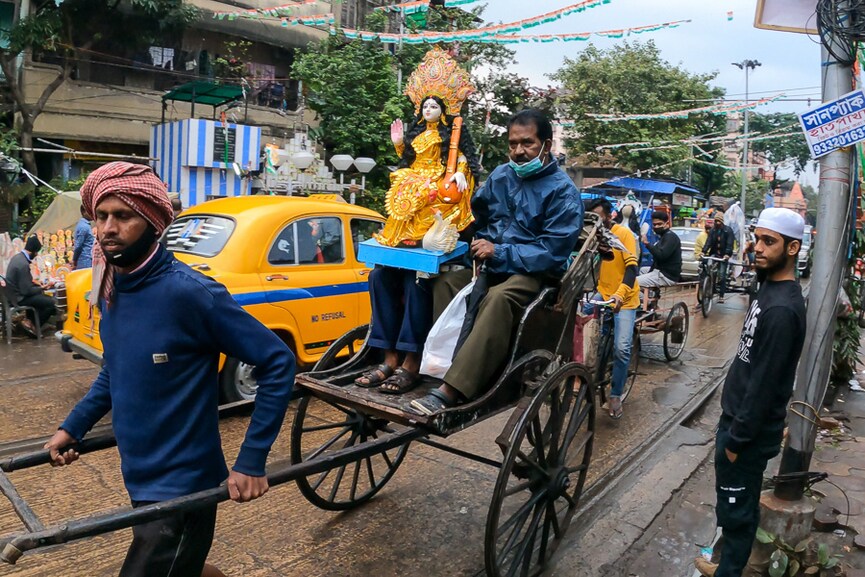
[372, 253]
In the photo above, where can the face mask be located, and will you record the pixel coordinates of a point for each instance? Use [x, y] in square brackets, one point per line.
[528, 168]
[134, 252]
[659, 231]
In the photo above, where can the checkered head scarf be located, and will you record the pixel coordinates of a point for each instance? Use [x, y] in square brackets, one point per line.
[141, 189]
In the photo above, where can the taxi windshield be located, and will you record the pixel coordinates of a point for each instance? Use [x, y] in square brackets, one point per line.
[201, 235]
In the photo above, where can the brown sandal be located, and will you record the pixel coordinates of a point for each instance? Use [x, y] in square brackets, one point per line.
[402, 381]
[374, 377]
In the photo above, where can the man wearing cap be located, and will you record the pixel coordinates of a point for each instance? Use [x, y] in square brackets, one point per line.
[163, 328]
[758, 388]
[27, 291]
[666, 254]
[719, 244]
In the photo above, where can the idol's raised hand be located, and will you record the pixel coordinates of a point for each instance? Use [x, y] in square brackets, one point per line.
[397, 132]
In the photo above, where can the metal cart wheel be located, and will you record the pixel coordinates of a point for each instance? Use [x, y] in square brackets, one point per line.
[676, 331]
[542, 476]
[321, 427]
[705, 294]
[347, 343]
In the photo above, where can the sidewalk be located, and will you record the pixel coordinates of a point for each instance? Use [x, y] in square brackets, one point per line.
[687, 523]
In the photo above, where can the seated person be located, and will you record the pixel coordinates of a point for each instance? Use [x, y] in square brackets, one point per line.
[26, 291]
[666, 254]
[528, 217]
[701, 239]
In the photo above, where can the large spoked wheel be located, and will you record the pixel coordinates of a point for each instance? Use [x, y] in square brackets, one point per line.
[633, 365]
[320, 428]
[343, 349]
[676, 331]
[542, 477]
[707, 289]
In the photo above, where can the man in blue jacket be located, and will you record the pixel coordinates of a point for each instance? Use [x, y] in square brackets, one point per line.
[163, 328]
[528, 217]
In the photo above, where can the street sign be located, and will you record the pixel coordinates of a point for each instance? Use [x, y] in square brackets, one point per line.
[787, 15]
[835, 124]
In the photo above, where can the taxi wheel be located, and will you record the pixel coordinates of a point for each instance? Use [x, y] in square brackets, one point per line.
[236, 381]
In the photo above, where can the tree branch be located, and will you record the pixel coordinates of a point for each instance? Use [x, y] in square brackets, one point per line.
[7, 60]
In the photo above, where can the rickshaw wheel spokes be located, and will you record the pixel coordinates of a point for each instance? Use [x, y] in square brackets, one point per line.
[542, 476]
[321, 427]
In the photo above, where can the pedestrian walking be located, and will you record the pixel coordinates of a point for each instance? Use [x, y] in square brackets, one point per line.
[757, 389]
[163, 327]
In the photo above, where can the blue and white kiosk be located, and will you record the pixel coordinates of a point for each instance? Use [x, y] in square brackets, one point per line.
[202, 159]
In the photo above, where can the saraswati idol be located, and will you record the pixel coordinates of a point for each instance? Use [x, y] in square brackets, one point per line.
[438, 164]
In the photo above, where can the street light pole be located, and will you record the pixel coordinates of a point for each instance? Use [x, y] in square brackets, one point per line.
[745, 65]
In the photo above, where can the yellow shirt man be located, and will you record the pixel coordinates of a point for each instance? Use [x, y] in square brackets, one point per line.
[613, 271]
[699, 243]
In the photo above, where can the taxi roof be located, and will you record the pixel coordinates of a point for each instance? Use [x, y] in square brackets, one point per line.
[266, 207]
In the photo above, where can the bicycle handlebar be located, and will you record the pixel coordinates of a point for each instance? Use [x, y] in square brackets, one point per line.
[606, 303]
[729, 260]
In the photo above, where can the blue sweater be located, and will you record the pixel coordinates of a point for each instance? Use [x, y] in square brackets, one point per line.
[534, 222]
[162, 337]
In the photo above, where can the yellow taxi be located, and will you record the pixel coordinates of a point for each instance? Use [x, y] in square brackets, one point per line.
[290, 261]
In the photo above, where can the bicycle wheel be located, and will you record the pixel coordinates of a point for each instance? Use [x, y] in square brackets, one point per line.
[676, 331]
[706, 291]
[633, 366]
[604, 370]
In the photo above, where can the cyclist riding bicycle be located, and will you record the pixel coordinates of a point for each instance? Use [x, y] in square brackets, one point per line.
[720, 245]
[618, 282]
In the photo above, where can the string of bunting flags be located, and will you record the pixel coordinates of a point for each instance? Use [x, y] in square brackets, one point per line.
[482, 35]
[717, 109]
[284, 11]
[695, 141]
[422, 6]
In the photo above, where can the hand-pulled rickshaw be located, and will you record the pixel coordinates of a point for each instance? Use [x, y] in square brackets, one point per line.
[347, 442]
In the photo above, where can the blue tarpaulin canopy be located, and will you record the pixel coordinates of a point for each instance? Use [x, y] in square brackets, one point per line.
[652, 186]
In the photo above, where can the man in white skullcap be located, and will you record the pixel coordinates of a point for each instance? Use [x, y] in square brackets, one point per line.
[758, 388]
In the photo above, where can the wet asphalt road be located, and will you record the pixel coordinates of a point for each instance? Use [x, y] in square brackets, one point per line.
[429, 520]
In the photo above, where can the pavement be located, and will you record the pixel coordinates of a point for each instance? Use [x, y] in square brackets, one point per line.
[647, 519]
[686, 524]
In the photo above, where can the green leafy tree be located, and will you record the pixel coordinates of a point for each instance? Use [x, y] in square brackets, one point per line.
[791, 148]
[65, 31]
[632, 78]
[352, 88]
[755, 192]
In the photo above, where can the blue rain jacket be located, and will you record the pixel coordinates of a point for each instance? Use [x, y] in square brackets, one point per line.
[533, 222]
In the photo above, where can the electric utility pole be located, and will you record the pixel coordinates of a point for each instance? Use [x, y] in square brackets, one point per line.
[830, 256]
[745, 65]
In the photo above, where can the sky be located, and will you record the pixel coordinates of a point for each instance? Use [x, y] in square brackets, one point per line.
[709, 43]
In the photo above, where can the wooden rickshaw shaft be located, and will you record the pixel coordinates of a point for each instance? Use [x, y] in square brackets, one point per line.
[283, 472]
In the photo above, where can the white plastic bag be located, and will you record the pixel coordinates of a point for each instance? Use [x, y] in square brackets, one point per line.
[438, 351]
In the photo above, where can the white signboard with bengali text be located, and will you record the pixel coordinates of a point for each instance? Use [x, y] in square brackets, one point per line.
[835, 124]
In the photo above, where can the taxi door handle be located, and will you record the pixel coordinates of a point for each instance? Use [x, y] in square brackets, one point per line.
[364, 272]
[276, 277]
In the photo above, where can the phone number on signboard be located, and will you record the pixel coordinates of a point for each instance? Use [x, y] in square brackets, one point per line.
[845, 139]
